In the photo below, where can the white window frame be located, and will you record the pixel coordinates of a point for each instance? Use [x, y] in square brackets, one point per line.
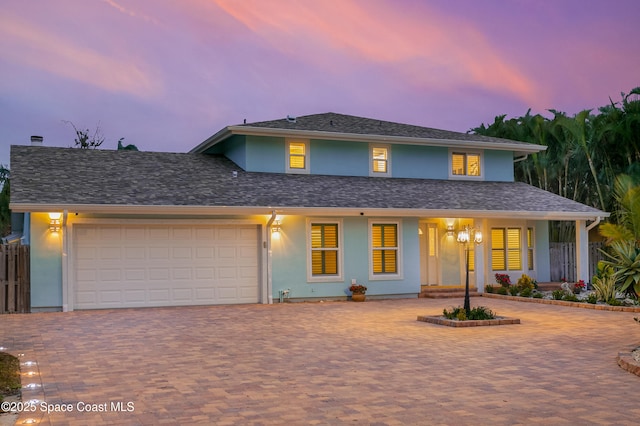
[388, 148]
[522, 249]
[466, 152]
[399, 273]
[307, 157]
[325, 278]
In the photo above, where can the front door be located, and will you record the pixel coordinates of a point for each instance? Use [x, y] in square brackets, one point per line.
[429, 254]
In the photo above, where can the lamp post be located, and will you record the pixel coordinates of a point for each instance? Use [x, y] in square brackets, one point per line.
[468, 235]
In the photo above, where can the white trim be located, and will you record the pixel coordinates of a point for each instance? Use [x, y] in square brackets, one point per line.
[307, 157]
[399, 259]
[466, 152]
[319, 211]
[517, 148]
[325, 278]
[373, 173]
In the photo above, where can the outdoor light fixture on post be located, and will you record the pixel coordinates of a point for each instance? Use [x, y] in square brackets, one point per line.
[468, 235]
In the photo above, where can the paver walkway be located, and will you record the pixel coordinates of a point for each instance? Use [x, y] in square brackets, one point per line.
[330, 363]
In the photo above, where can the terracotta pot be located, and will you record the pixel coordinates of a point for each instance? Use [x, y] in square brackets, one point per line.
[358, 297]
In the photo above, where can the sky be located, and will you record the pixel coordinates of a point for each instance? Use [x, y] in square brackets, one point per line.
[167, 74]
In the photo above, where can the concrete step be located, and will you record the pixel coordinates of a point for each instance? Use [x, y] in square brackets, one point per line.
[446, 293]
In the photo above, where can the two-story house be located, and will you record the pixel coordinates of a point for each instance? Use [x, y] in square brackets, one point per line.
[296, 208]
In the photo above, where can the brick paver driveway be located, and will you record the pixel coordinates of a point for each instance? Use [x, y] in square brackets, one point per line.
[329, 363]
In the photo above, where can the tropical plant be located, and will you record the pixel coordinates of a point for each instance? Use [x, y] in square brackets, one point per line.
[604, 284]
[627, 214]
[624, 257]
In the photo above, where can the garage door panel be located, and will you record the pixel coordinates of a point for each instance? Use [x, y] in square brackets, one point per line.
[181, 253]
[159, 253]
[135, 252]
[159, 295]
[135, 275]
[110, 296]
[131, 266]
[134, 296]
[134, 233]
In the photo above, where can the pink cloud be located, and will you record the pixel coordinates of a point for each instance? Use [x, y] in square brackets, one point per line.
[37, 47]
[432, 50]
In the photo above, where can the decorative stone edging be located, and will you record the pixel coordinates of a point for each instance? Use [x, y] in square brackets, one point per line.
[627, 362]
[440, 320]
[583, 305]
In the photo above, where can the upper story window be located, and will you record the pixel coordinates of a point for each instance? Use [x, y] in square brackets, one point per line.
[324, 253]
[297, 156]
[379, 160]
[465, 164]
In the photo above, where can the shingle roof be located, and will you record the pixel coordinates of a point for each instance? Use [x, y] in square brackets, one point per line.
[341, 123]
[68, 176]
[348, 127]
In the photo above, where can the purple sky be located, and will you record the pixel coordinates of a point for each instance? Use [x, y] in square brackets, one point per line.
[165, 75]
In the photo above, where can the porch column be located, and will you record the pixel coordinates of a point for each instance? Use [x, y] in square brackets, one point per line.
[582, 251]
[480, 262]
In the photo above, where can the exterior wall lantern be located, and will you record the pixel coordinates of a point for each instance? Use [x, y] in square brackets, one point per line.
[467, 236]
[54, 221]
[276, 227]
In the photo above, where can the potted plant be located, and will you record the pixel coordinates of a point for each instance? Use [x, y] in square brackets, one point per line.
[358, 292]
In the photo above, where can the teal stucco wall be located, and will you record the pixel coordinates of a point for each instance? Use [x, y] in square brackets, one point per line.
[46, 265]
[542, 259]
[339, 158]
[289, 261]
[498, 166]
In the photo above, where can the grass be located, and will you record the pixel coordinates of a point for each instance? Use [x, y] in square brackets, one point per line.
[9, 375]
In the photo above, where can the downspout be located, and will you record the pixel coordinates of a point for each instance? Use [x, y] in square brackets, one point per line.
[594, 224]
[65, 283]
[269, 279]
[524, 157]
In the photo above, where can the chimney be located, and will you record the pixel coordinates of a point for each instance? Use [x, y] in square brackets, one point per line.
[36, 140]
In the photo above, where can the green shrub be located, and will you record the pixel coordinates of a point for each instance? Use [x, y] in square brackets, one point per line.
[570, 297]
[525, 282]
[592, 298]
[481, 313]
[557, 294]
[513, 290]
[502, 290]
[538, 295]
[489, 288]
[526, 292]
[614, 302]
[477, 313]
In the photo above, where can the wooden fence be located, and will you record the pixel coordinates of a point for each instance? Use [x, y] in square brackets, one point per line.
[15, 283]
[563, 260]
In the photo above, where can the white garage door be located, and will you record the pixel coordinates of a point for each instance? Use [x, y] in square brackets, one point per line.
[119, 266]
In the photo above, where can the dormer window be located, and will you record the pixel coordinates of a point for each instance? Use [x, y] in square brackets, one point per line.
[379, 160]
[297, 156]
[465, 164]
